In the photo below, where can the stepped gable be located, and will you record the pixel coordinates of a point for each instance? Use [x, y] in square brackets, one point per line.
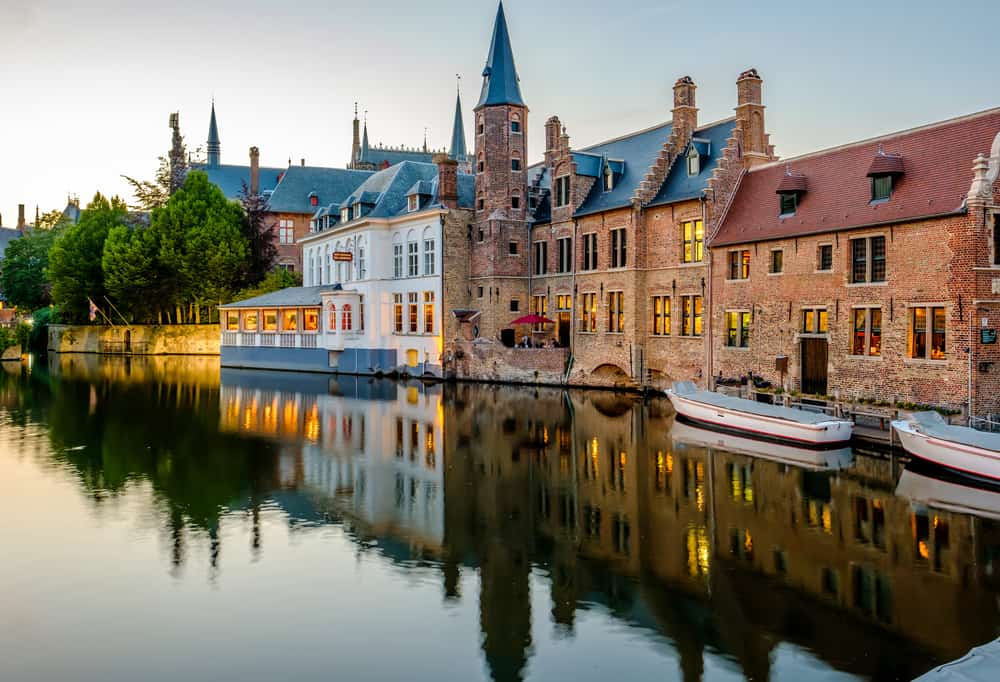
[937, 161]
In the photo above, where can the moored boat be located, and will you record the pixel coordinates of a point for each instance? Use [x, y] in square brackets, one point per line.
[783, 453]
[758, 420]
[965, 451]
[934, 488]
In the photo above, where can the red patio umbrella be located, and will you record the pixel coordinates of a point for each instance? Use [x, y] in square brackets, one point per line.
[533, 319]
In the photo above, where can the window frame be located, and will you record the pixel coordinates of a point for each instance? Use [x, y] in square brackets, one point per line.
[869, 259]
[412, 203]
[820, 325]
[412, 258]
[540, 257]
[413, 312]
[561, 194]
[780, 253]
[996, 240]
[867, 332]
[588, 313]
[513, 249]
[692, 316]
[738, 324]
[739, 265]
[589, 252]
[430, 256]
[428, 311]
[616, 312]
[660, 310]
[882, 184]
[619, 248]
[564, 246]
[929, 331]
[693, 246]
[397, 313]
[788, 200]
[819, 256]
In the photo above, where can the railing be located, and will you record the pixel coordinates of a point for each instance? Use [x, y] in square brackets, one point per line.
[249, 339]
[309, 340]
[288, 340]
[230, 339]
[276, 339]
[991, 423]
[267, 339]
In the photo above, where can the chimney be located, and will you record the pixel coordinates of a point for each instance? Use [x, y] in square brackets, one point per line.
[20, 217]
[302, 163]
[750, 118]
[447, 180]
[685, 113]
[552, 129]
[254, 171]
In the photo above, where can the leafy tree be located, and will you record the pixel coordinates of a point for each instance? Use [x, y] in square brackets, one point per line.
[150, 194]
[259, 233]
[75, 267]
[23, 270]
[50, 220]
[275, 280]
[133, 272]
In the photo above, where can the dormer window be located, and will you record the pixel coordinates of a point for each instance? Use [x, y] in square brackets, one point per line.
[788, 203]
[357, 210]
[412, 203]
[881, 187]
[345, 215]
[609, 179]
[884, 171]
[790, 191]
[694, 161]
[313, 199]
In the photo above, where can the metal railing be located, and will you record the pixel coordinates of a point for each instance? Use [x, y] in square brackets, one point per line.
[990, 423]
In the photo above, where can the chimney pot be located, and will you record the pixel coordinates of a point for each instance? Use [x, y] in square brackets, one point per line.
[303, 163]
[20, 217]
[447, 180]
[254, 171]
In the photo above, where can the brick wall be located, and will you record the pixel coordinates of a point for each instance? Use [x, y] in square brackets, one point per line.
[290, 253]
[485, 360]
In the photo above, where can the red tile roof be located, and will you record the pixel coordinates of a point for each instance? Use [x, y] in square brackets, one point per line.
[938, 161]
[886, 164]
[792, 183]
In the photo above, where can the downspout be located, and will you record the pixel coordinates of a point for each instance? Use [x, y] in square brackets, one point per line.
[707, 307]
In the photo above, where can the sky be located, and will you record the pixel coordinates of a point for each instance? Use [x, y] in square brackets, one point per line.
[86, 89]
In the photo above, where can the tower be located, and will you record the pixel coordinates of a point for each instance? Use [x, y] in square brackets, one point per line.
[457, 152]
[750, 118]
[500, 255]
[213, 147]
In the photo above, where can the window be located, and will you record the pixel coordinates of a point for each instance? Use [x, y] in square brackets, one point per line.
[428, 312]
[512, 249]
[346, 318]
[694, 241]
[270, 320]
[361, 313]
[232, 320]
[618, 248]
[479, 292]
[515, 126]
[289, 320]
[286, 231]
[481, 235]
[927, 333]
[996, 239]
[331, 320]
[739, 264]
[250, 321]
[515, 305]
[777, 262]
[661, 316]
[515, 164]
[481, 204]
[589, 251]
[738, 328]
[412, 203]
[787, 203]
[310, 319]
[412, 259]
[397, 313]
[541, 258]
[515, 201]
[539, 306]
[362, 263]
[868, 259]
[616, 312]
[562, 191]
[480, 165]
[345, 215]
[815, 321]
[397, 260]
[881, 187]
[565, 246]
[588, 313]
[609, 179]
[824, 257]
[413, 313]
[480, 126]
[429, 256]
[691, 315]
[867, 338]
[564, 302]
[693, 161]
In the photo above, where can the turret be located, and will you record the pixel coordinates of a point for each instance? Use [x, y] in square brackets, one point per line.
[213, 147]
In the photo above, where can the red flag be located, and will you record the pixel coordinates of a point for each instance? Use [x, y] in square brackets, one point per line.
[93, 310]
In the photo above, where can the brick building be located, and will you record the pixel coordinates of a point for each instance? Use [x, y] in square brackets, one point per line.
[873, 267]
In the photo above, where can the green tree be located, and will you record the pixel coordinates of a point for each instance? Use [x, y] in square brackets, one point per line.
[133, 273]
[75, 261]
[275, 280]
[51, 219]
[23, 276]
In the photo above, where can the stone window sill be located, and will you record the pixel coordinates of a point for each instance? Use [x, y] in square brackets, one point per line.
[925, 362]
[692, 264]
[742, 280]
[823, 272]
[689, 337]
[775, 274]
[988, 268]
[745, 349]
[857, 285]
[870, 358]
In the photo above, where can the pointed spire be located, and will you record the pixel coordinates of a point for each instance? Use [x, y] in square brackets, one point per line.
[364, 138]
[214, 148]
[458, 151]
[500, 81]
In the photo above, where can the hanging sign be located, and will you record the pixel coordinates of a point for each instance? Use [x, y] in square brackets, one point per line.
[343, 256]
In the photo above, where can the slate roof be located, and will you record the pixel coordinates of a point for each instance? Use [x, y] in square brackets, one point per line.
[937, 160]
[638, 151]
[7, 235]
[291, 296]
[678, 186]
[230, 179]
[457, 150]
[380, 156]
[331, 186]
[500, 81]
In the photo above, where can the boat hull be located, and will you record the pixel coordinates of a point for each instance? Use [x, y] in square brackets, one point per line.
[833, 433]
[975, 464]
[782, 452]
[936, 487]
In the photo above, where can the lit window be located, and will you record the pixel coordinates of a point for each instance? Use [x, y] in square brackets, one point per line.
[346, 318]
[738, 328]
[428, 312]
[539, 306]
[588, 312]
[691, 315]
[927, 338]
[661, 316]
[331, 319]
[616, 312]
[397, 313]
[694, 241]
[310, 319]
[739, 264]
[250, 321]
[232, 320]
[777, 262]
[270, 320]
[289, 320]
[412, 312]
[815, 321]
[867, 336]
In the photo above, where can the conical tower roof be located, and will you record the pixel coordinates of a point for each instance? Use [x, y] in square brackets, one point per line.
[500, 81]
[214, 147]
[458, 151]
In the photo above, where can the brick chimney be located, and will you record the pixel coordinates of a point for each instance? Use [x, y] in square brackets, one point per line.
[447, 180]
[552, 129]
[254, 171]
[750, 118]
[20, 217]
[303, 163]
[685, 113]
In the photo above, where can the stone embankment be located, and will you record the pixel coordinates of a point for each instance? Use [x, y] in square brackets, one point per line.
[200, 339]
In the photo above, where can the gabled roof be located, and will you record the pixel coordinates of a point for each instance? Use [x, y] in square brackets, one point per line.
[230, 179]
[331, 185]
[938, 160]
[710, 141]
[500, 81]
[638, 151]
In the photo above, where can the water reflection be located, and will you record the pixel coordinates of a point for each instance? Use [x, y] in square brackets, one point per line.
[725, 553]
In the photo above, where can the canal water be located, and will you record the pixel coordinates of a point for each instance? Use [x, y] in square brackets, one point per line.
[163, 520]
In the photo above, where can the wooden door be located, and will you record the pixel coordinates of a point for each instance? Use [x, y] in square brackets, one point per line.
[814, 366]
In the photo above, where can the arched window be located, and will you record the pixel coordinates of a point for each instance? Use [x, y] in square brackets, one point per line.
[515, 200]
[515, 123]
[362, 266]
[347, 323]
[515, 162]
[326, 265]
[331, 320]
[480, 125]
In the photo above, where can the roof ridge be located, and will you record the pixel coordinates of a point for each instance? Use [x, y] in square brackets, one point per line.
[649, 129]
[879, 138]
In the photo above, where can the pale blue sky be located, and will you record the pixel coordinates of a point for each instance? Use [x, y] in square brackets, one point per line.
[86, 88]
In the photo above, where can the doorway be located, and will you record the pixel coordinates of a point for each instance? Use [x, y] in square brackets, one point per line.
[128, 341]
[563, 320]
[815, 354]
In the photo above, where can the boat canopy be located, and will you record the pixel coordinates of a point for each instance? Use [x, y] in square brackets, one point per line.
[933, 424]
[688, 391]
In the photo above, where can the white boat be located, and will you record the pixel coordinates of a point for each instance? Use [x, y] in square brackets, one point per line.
[758, 420]
[974, 454]
[927, 488]
[784, 453]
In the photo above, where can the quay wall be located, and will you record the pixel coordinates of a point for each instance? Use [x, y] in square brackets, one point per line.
[202, 339]
[483, 360]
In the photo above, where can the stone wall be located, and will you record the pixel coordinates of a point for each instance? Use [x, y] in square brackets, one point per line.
[484, 360]
[143, 339]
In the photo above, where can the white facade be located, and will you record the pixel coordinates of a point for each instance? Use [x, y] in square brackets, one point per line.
[392, 288]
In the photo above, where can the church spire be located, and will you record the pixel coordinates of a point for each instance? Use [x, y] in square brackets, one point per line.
[214, 148]
[364, 138]
[500, 81]
[457, 151]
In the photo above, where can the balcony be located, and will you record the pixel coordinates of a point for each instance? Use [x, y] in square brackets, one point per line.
[270, 339]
